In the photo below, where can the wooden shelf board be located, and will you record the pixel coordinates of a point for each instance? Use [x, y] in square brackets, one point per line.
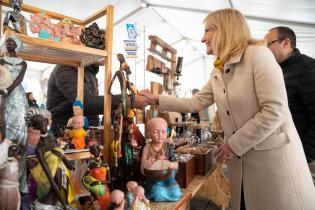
[49, 51]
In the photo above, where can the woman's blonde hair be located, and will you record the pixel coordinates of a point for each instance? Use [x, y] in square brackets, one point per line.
[232, 34]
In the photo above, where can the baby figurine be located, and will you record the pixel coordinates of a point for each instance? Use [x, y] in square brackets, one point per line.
[158, 150]
[130, 186]
[140, 202]
[117, 200]
[78, 133]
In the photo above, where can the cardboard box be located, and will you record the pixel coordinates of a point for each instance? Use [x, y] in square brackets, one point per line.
[186, 172]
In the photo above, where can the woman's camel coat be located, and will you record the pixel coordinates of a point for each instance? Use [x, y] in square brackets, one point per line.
[252, 103]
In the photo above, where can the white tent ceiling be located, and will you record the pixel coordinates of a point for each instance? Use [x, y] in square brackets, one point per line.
[179, 23]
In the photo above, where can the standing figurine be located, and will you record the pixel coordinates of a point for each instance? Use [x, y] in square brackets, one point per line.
[158, 150]
[123, 76]
[130, 186]
[78, 133]
[52, 173]
[9, 184]
[15, 102]
[17, 19]
[97, 177]
[117, 200]
[140, 202]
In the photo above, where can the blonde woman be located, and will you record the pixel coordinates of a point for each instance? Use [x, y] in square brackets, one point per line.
[267, 166]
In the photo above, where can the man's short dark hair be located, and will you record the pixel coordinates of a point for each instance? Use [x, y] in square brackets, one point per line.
[284, 33]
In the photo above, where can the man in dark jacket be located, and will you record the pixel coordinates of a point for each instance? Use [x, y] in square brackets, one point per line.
[299, 77]
[62, 92]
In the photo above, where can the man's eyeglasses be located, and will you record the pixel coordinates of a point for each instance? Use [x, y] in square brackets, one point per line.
[271, 42]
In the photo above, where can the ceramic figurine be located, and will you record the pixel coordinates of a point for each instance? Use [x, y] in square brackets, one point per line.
[139, 202]
[69, 33]
[9, 179]
[130, 186]
[15, 102]
[93, 37]
[78, 133]
[40, 23]
[52, 172]
[77, 107]
[117, 200]
[17, 20]
[97, 177]
[161, 154]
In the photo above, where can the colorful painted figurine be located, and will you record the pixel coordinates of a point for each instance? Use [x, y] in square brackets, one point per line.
[117, 200]
[78, 133]
[17, 20]
[9, 179]
[77, 107]
[40, 23]
[159, 150]
[97, 177]
[15, 103]
[130, 197]
[52, 173]
[69, 33]
[140, 202]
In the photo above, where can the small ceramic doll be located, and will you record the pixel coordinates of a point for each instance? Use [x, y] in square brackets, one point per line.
[130, 186]
[78, 133]
[77, 107]
[139, 202]
[160, 151]
[117, 200]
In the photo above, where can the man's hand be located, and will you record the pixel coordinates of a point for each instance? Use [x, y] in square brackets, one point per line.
[224, 152]
[144, 98]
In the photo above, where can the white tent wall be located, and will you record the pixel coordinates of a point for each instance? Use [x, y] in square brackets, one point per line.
[179, 23]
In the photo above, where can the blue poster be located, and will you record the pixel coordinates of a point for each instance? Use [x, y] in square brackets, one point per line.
[132, 34]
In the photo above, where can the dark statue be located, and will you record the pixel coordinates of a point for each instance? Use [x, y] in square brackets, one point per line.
[93, 37]
[17, 20]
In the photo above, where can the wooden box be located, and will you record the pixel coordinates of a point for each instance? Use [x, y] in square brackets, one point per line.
[204, 162]
[186, 172]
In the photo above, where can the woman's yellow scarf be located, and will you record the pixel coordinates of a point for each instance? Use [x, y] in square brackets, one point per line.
[218, 64]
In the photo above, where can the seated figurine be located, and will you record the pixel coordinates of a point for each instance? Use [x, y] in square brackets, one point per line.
[40, 23]
[78, 133]
[159, 150]
[139, 202]
[69, 33]
[93, 37]
[117, 200]
[130, 186]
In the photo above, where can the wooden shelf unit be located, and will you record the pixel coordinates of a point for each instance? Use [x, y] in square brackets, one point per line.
[48, 51]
